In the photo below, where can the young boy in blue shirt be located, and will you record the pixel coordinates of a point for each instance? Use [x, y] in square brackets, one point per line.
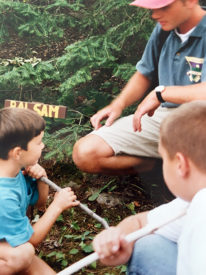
[21, 133]
[178, 247]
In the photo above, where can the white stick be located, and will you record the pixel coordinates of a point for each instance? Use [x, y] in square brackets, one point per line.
[130, 238]
[80, 264]
[82, 206]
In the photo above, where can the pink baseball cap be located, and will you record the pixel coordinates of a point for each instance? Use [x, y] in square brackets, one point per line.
[152, 4]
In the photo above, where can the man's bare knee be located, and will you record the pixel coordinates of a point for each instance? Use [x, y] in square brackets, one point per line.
[88, 151]
[81, 153]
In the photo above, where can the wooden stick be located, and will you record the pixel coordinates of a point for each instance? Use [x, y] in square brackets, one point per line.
[149, 228]
[82, 206]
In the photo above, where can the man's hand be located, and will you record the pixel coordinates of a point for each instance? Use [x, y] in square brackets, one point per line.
[36, 171]
[112, 248]
[147, 106]
[111, 112]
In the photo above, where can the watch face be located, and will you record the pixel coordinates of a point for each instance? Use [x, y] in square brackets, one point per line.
[160, 88]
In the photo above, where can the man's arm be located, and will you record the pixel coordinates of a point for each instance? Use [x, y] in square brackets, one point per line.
[133, 91]
[173, 94]
[183, 94]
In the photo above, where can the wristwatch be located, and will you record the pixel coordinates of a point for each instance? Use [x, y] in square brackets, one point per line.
[159, 90]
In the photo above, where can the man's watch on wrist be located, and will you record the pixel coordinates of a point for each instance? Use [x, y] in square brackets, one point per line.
[158, 91]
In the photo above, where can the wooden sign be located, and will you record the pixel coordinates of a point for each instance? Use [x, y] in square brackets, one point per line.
[41, 108]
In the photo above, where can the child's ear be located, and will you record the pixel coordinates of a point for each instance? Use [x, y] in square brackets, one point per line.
[183, 165]
[15, 153]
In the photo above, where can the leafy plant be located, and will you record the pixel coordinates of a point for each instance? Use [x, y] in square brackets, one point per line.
[59, 257]
[96, 194]
[87, 248]
[103, 39]
[35, 22]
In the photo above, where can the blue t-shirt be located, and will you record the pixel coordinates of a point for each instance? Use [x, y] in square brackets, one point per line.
[167, 61]
[16, 194]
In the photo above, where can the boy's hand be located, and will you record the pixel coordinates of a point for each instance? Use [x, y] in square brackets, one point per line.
[65, 199]
[112, 248]
[36, 171]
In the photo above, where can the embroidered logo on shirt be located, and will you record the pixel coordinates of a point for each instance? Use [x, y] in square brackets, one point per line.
[195, 71]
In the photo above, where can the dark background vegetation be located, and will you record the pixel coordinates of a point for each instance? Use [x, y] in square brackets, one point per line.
[76, 53]
[73, 53]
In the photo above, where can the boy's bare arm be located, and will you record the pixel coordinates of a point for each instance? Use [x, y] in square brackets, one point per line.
[63, 200]
[43, 189]
[110, 244]
[37, 171]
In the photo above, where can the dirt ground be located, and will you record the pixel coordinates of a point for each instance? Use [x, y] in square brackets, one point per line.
[112, 198]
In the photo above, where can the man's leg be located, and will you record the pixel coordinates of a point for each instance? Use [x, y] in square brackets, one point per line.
[153, 255]
[117, 149]
[93, 155]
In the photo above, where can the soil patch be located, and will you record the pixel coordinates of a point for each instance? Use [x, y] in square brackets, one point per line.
[112, 198]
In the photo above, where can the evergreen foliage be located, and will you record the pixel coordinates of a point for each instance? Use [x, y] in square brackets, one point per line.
[109, 39]
[37, 23]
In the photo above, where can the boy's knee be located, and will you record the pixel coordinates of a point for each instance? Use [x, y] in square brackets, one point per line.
[20, 258]
[26, 255]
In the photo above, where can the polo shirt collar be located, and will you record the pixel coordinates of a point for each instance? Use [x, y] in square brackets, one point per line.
[200, 28]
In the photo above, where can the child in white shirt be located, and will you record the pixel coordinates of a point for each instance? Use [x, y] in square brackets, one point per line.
[180, 246]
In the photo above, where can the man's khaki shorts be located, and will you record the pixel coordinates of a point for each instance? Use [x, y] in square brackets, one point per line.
[123, 140]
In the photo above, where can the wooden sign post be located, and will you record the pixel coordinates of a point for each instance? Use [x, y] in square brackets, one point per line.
[41, 108]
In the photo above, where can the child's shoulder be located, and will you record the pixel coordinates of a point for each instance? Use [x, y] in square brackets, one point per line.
[198, 203]
[7, 181]
[10, 188]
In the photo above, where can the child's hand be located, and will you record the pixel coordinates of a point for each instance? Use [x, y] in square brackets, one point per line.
[65, 199]
[111, 247]
[36, 171]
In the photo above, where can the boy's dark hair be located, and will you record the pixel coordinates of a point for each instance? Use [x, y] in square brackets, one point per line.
[184, 130]
[17, 128]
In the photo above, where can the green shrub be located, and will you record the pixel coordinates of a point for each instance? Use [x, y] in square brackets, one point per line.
[109, 39]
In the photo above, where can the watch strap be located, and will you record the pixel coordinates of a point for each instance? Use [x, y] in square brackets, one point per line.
[159, 97]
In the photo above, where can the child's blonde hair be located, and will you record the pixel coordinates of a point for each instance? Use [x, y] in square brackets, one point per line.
[184, 130]
[17, 128]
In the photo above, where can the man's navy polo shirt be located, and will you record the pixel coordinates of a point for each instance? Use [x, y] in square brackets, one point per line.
[167, 61]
